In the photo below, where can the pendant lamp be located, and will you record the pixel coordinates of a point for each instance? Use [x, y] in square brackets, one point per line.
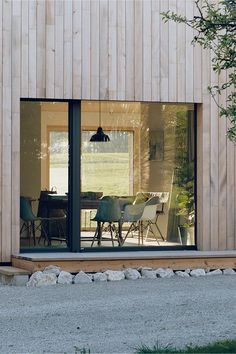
[100, 136]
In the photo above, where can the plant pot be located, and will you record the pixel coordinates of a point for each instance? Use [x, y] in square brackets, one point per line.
[187, 235]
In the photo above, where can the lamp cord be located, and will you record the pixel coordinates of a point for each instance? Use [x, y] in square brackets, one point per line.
[100, 121]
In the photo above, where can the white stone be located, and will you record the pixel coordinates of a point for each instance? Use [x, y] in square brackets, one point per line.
[197, 272]
[114, 275]
[34, 278]
[229, 271]
[164, 272]
[64, 278]
[132, 274]
[52, 269]
[215, 272]
[149, 274]
[82, 277]
[99, 277]
[39, 279]
[182, 274]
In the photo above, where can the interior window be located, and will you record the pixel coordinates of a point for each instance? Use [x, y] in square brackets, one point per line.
[108, 168]
[58, 160]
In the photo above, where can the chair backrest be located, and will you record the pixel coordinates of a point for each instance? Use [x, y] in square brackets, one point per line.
[149, 211]
[163, 199]
[26, 213]
[133, 213]
[108, 210]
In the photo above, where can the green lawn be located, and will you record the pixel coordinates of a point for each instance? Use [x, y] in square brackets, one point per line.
[228, 346]
[101, 172]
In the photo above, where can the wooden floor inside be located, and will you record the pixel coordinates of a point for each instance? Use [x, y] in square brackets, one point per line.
[94, 262]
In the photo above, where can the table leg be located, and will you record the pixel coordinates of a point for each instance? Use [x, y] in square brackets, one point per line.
[99, 235]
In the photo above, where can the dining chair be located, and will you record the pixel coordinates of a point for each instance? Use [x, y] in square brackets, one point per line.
[148, 218]
[52, 209]
[108, 212]
[32, 224]
[29, 220]
[140, 216]
[163, 198]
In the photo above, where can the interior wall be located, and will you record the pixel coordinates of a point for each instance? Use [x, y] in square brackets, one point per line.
[30, 153]
[54, 115]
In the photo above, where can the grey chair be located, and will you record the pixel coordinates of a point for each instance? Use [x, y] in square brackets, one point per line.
[140, 216]
[163, 200]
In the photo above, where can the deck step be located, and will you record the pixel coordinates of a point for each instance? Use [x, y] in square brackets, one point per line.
[13, 276]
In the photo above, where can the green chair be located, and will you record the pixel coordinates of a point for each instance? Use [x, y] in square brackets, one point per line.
[32, 223]
[108, 212]
[29, 220]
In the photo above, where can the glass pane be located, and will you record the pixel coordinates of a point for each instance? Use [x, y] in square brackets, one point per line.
[44, 175]
[137, 186]
[58, 160]
[106, 167]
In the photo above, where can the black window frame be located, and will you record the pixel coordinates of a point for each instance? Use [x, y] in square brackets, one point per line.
[74, 187]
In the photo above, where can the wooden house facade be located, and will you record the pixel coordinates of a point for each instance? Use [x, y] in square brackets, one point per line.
[113, 50]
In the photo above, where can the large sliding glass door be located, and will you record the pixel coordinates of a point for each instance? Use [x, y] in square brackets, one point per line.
[113, 175]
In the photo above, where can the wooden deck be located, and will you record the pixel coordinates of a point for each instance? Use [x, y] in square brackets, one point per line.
[94, 262]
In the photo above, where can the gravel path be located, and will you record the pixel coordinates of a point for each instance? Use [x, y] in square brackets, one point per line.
[116, 317]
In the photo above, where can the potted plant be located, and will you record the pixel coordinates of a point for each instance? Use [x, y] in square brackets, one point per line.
[185, 203]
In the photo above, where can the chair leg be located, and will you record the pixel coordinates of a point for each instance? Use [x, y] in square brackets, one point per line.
[95, 236]
[149, 229]
[139, 231]
[111, 232]
[43, 233]
[33, 232]
[142, 232]
[163, 239]
[99, 234]
[120, 240]
[129, 230]
[22, 228]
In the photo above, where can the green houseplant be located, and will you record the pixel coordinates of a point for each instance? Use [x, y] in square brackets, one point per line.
[185, 202]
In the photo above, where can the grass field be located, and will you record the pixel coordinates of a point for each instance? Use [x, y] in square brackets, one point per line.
[101, 172]
[228, 346]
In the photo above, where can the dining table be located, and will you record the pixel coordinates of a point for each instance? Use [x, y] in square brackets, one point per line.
[55, 202]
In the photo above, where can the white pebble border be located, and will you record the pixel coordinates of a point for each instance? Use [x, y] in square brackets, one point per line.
[52, 275]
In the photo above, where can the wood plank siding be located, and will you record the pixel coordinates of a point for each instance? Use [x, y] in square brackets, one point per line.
[117, 50]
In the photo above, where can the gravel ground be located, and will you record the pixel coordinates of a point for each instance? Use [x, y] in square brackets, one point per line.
[117, 317]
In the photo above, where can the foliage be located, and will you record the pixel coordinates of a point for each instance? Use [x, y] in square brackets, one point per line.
[228, 346]
[184, 174]
[185, 196]
[215, 29]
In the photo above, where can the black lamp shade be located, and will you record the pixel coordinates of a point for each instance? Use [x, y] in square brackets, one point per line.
[100, 136]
